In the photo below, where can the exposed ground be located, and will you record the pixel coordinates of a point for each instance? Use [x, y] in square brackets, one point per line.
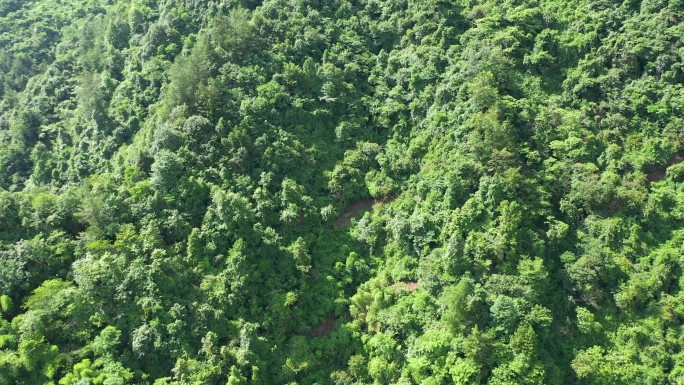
[354, 210]
[660, 172]
[405, 286]
[360, 207]
[330, 322]
[325, 328]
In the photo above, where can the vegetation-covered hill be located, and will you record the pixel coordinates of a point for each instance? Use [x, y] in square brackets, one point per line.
[341, 192]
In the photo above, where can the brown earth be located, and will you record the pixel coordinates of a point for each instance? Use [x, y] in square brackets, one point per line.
[405, 286]
[354, 210]
[330, 322]
[325, 328]
[360, 207]
[659, 173]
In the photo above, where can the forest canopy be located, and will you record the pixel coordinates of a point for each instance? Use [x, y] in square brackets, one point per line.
[346, 192]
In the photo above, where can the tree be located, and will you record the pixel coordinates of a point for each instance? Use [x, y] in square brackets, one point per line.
[236, 36]
[458, 300]
[166, 171]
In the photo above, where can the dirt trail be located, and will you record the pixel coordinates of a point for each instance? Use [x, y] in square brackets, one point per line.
[355, 209]
[405, 286]
[325, 328]
[360, 207]
[330, 322]
[661, 172]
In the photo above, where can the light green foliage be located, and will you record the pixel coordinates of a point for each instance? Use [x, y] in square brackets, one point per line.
[349, 192]
[458, 303]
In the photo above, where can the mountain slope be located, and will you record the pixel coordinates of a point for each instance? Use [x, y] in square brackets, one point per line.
[355, 192]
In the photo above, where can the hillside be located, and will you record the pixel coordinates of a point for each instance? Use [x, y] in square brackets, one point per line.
[346, 192]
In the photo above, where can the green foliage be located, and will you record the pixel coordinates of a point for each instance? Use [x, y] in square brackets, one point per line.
[355, 192]
[6, 304]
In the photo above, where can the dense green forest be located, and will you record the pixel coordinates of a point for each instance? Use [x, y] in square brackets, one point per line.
[341, 192]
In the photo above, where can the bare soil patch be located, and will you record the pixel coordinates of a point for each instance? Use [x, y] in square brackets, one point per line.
[360, 207]
[660, 172]
[325, 328]
[405, 286]
[354, 210]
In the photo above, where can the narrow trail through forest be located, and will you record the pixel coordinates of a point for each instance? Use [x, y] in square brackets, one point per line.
[406, 286]
[360, 207]
[660, 172]
[331, 322]
[324, 328]
[354, 210]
